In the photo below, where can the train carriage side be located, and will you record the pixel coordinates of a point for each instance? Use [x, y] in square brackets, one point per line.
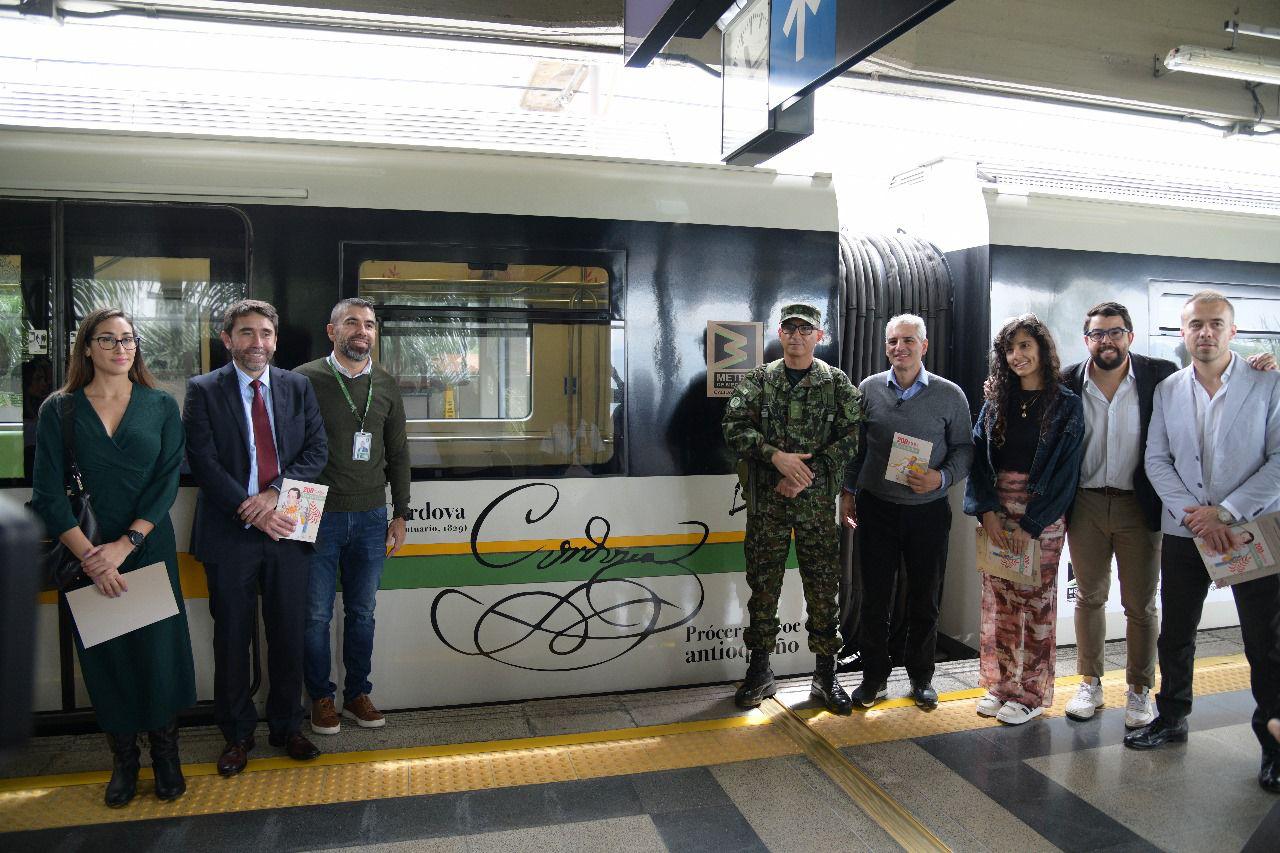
[546, 318]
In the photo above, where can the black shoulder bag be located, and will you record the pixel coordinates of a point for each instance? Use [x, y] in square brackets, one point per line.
[62, 567]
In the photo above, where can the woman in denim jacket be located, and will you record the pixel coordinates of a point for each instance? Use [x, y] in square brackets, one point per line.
[1028, 442]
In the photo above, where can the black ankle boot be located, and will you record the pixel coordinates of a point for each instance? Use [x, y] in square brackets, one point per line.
[170, 783]
[827, 690]
[124, 770]
[758, 685]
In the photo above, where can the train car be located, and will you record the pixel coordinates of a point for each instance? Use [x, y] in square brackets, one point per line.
[1024, 237]
[574, 527]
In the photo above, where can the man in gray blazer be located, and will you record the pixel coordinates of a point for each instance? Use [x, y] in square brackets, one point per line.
[1213, 456]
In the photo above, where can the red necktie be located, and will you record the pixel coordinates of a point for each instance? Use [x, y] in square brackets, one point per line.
[268, 465]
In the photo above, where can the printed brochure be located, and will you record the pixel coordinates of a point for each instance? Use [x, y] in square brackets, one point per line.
[1258, 556]
[304, 503]
[907, 454]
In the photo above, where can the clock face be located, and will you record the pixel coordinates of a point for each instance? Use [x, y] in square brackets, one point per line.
[747, 38]
[745, 93]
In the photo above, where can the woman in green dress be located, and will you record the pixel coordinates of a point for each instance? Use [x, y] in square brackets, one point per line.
[129, 443]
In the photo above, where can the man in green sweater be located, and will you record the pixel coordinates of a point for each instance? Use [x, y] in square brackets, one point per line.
[365, 424]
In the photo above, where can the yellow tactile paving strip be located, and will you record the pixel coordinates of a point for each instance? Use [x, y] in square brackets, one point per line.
[76, 799]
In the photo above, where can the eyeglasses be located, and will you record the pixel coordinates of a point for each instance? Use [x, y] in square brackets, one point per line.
[128, 342]
[789, 329]
[1100, 335]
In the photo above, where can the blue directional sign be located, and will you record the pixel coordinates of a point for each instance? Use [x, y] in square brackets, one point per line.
[802, 45]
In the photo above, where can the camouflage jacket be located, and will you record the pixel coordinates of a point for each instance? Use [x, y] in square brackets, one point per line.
[820, 415]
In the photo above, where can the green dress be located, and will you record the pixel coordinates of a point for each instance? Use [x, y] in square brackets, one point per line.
[138, 681]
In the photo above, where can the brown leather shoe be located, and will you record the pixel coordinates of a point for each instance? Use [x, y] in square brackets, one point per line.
[362, 711]
[295, 746]
[324, 717]
[235, 755]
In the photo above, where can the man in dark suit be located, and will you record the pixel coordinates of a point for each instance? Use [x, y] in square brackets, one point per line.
[249, 426]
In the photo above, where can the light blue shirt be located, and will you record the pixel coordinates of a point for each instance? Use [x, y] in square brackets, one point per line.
[246, 397]
[904, 394]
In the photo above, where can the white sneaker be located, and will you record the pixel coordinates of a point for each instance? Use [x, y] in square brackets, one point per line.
[1137, 708]
[1015, 713]
[1087, 700]
[989, 705]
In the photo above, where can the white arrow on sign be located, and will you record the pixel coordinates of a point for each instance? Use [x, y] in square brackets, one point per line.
[795, 20]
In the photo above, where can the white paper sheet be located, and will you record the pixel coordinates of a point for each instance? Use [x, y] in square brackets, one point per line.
[149, 599]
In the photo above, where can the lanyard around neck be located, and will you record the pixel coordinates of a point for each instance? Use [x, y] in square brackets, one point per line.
[345, 393]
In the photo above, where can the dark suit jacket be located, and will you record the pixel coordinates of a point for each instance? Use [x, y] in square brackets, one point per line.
[1148, 372]
[218, 453]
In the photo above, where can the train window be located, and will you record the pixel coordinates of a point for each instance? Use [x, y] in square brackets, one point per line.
[1257, 310]
[174, 269]
[508, 364]
[16, 377]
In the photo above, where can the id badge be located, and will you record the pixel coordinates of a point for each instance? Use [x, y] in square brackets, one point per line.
[362, 446]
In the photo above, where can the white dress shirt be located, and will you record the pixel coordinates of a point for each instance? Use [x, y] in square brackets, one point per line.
[246, 397]
[1112, 434]
[1209, 421]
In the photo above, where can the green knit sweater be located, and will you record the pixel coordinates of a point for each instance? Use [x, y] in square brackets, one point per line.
[361, 486]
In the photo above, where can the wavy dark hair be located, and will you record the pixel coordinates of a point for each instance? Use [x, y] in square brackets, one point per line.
[80, 370]
[1001, 380]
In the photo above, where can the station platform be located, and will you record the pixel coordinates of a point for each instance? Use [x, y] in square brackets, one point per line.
[684, 770]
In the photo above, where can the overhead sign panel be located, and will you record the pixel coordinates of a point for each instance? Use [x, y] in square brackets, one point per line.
[812, 41]
[648, 25]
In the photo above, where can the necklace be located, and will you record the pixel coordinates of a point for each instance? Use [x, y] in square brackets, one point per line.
[1024, 405]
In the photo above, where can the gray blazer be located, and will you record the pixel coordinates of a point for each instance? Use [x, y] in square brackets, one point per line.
[1246, 462]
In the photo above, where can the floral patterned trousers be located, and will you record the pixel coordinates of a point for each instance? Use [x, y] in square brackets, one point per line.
[1018, 646]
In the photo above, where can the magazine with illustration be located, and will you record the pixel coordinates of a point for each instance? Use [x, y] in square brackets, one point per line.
[1257, 556]
[304, 503]
[906, 455]
[1021, 568]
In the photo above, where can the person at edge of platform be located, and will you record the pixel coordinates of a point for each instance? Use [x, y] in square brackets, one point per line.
[249, 426]
[1026, 464]
[1213, 456]
[794, 425]
[128, 445]
[1116, 511]
[906, 525]
[364, 422]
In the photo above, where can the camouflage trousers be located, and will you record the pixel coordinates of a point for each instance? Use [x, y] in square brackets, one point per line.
[1017, 639]
[813, 518]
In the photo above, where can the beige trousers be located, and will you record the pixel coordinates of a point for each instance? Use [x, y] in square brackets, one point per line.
[1099, 527]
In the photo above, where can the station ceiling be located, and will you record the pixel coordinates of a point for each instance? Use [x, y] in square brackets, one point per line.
[1097, 51]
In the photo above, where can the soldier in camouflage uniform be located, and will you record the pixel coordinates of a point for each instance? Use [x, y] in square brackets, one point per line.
[794, 423]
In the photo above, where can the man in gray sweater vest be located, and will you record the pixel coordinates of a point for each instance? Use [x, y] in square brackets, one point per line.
[918, 444]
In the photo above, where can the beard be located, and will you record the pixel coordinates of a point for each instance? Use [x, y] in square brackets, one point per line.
[1108, 359]
[348, 350]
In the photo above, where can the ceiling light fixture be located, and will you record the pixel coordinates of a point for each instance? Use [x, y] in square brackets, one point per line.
[1223, 63]
[1238, 28]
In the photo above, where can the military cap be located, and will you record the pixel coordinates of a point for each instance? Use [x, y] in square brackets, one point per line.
[801, 311]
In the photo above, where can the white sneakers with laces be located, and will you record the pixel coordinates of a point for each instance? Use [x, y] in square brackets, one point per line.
[989, 705]
[1137, 708]
[1087, 700]
[1015, 713]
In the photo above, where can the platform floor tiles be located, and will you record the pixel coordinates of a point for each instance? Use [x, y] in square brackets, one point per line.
[683, 770]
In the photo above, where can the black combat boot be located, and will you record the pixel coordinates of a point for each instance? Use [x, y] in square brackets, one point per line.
[170, 783]
[827, 690]
[124, 770]
[758, 685]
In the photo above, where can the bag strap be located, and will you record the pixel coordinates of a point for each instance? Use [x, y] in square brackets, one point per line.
[71, 467]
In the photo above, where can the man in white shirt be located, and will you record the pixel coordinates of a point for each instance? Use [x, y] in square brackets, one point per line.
[1213, 456]
[1116, 512]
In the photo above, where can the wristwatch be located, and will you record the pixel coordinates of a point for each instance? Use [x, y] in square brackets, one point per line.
[135, 538]
[1225, 516]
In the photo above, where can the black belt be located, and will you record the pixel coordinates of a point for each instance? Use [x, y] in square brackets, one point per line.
[1110, 492]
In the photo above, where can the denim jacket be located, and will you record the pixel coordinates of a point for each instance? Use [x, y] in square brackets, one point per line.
[1055, 469]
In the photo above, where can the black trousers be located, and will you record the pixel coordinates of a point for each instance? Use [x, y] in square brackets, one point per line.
[915, 536]
[281, 571]
[1184, 583]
